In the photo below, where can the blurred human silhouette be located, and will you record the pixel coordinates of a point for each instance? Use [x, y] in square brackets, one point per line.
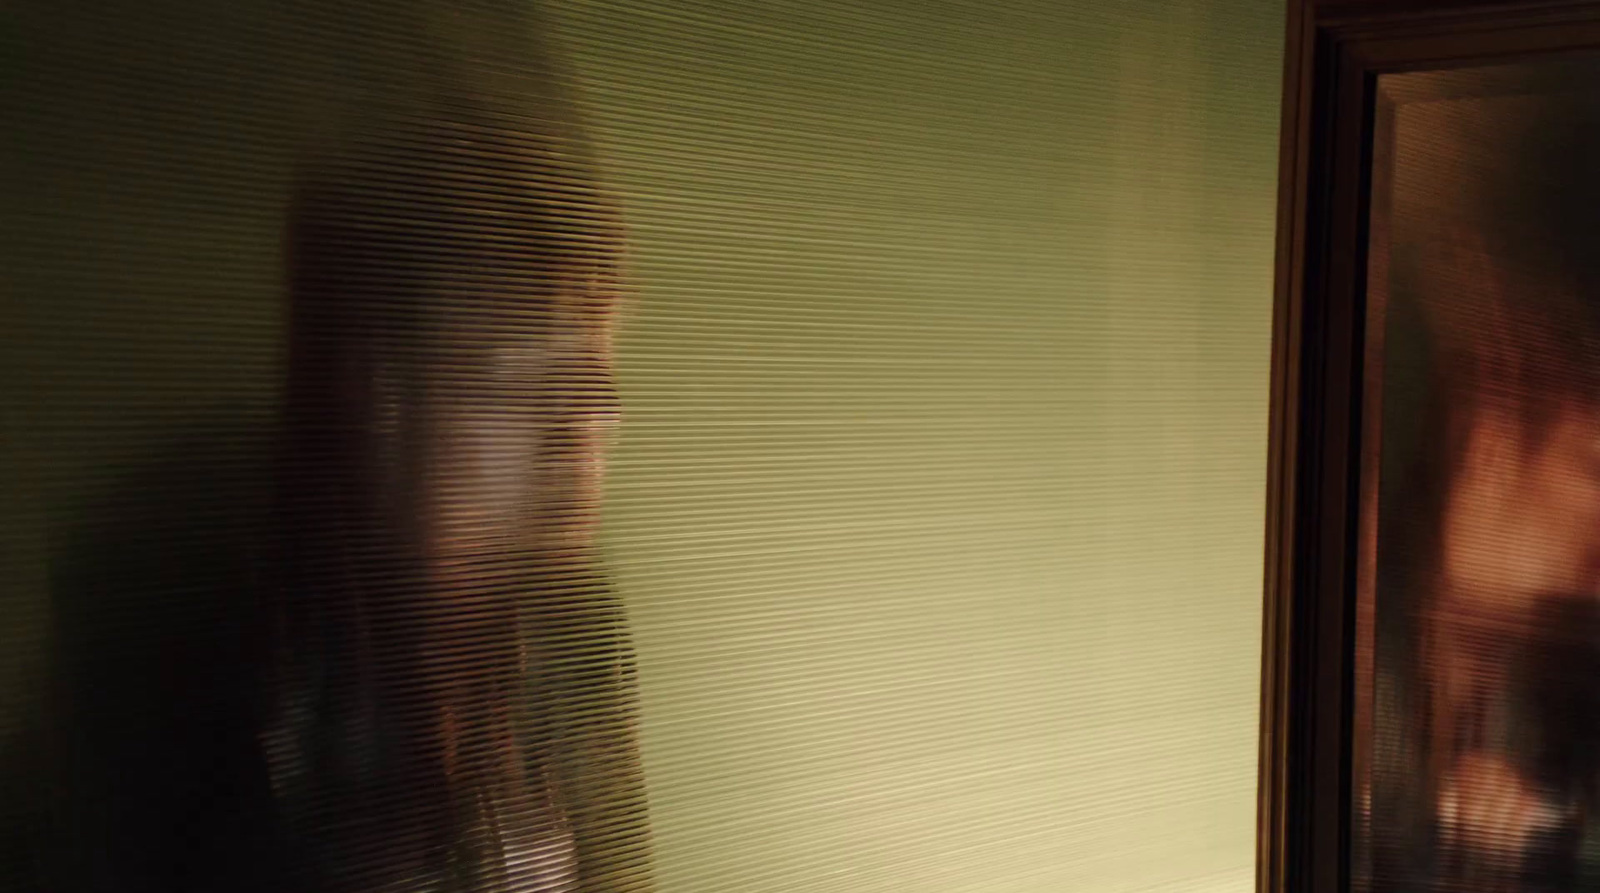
[453, 677]
[370, 647]
[1485, 774]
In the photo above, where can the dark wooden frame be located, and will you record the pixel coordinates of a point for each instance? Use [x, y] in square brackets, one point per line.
[1326, 364]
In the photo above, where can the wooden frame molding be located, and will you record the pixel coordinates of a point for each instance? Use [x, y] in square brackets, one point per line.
[1323, 362]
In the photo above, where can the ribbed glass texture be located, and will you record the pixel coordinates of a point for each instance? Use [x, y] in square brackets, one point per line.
[937, 499]
[704, 447]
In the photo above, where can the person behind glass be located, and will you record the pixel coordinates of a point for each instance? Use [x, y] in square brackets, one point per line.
[1518, 548]
[1500, 525]
[452, 682]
